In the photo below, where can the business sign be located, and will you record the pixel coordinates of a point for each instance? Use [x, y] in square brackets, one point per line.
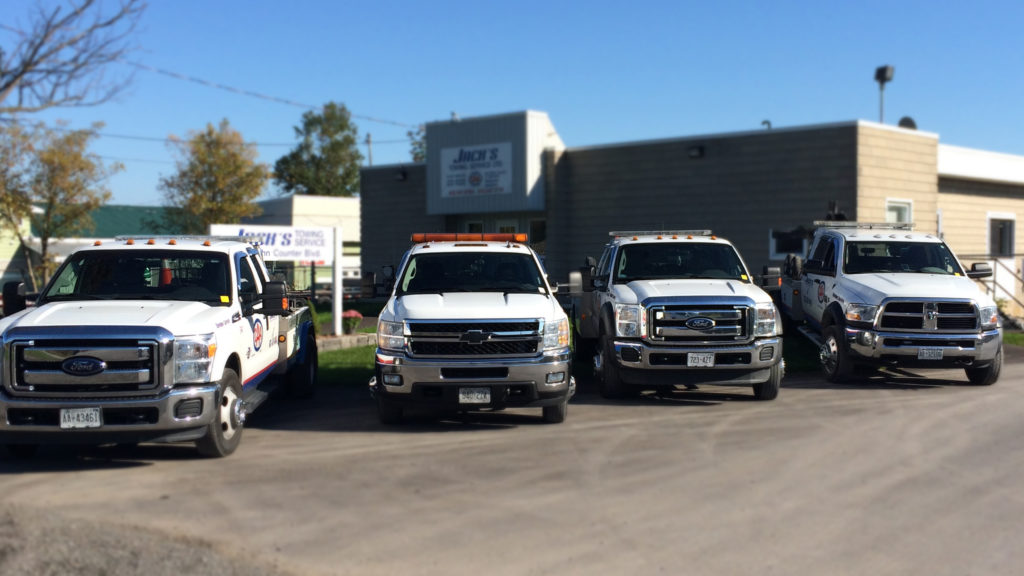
[480, 170]
[289, 243]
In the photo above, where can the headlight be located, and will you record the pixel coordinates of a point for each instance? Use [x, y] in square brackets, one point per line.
[390, 335]
[768, 321]
[861, 313]
[629, 320]
[193, 358]
[556, 335]
[989, 317]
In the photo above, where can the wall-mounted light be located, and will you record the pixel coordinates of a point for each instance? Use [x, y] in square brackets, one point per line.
[695, 151]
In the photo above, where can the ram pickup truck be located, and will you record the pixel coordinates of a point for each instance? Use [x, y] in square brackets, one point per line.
[472, 324]
[668, 308]
[159, 339]
[884, 295]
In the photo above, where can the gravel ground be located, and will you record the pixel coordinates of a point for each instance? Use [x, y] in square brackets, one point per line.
[42, 544]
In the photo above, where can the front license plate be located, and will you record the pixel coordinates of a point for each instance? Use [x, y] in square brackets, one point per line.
[474, 395]
[929, 354]
[700, 359]
[80, 418]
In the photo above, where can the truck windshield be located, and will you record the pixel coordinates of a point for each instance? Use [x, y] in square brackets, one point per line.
[666, 260]
[137, 275]
[905, 257]
[471, 272]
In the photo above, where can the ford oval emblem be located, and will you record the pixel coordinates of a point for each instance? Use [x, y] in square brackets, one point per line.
[700, 323]
[83, 366]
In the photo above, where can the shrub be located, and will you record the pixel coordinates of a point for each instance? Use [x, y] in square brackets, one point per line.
[350, 320]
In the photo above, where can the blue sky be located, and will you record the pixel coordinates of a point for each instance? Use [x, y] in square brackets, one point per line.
[605, 72]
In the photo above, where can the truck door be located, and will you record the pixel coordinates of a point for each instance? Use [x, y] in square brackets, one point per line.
[590, 301]
[259, 331]
[819, 278]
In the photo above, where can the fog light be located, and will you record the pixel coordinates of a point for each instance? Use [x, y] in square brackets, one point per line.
[767, 352]
[393, 379]
[630, 355]
[556, 378]
[190, 408]
[866, 338]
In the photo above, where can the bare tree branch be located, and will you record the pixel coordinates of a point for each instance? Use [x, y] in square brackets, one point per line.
[60, 58]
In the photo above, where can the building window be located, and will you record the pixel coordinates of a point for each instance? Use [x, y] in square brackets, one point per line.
[782, 242]
[507, 227]
[899, 211]
[1000, 237]
[474, 227]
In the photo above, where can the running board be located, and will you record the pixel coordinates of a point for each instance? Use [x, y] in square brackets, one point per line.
[256, 397]
[811, 335]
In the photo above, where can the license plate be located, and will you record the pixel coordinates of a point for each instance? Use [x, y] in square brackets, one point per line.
[474, 395]
[929, 354]
[700, 359]
[80, 418]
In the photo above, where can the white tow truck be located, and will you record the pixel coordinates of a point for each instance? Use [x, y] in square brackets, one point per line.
[163, 339]
[883, 295]
[472, 325]
[668, 308]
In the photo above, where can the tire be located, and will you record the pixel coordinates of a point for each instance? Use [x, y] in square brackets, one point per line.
[22, 451]
[769, 390]
[609, 382]
[556, 414]
[835, 356]
[389, 414]
[986, 376]
[225, 432]
[302, 377]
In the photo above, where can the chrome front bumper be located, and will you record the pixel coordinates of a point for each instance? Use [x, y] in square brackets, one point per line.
[970, 348]
[643, 364]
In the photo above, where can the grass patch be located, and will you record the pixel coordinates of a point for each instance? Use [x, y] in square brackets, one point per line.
[1013, 338]
[346, 367]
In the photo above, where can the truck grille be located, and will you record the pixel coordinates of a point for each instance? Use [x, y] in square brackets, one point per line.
[475, 338]
[93, 367]
[929, 316]
[699, 324]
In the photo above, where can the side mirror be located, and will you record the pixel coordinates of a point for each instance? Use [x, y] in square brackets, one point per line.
[275, 299]
[978, 270]
[771, 278]
[14, 297]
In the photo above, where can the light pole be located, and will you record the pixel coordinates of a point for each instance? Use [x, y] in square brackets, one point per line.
[883, 74]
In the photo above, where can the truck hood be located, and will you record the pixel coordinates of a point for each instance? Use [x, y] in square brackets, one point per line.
[174, 316]
[639, 291]
[470, 305]
[872, 288]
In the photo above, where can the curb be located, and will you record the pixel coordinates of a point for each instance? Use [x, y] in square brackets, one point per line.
[330, 342]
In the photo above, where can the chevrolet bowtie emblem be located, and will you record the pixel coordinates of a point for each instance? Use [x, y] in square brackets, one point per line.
[475, 336]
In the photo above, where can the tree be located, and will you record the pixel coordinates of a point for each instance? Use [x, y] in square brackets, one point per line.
[60, 58]
[418, 143]
[326, 160]
[216, 182]
[50, 179]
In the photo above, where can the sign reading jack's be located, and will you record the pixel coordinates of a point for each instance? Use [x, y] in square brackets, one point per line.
[481, 170]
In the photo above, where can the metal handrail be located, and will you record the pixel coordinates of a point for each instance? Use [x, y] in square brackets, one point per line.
[990, 284]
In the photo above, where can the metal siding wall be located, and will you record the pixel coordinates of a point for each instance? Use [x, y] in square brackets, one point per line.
[489, 130]
[391, 211]
[965, 206]
[897, 165]
[741, 188]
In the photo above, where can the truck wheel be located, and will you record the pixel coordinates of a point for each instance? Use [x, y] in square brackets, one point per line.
[302, 377]
[225, 432]
[770, 390]
[388, 413]
[988, 375]
[22, 451]
[556, 414]
[610, 383]
[835, 358]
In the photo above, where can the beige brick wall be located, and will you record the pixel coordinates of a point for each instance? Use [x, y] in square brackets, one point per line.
[897, 165]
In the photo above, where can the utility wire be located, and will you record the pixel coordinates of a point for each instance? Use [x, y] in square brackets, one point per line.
[253, 94]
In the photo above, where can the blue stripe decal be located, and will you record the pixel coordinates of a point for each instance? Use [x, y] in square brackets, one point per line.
[259, 377]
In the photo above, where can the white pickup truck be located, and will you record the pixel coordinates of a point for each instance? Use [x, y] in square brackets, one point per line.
[883, 295]
[667, 308]
[472, 325]
[160, 339]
